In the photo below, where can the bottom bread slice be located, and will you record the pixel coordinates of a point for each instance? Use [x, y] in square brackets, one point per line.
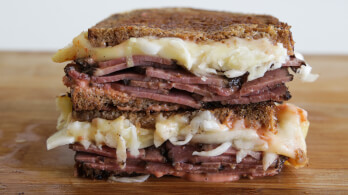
[100, 163]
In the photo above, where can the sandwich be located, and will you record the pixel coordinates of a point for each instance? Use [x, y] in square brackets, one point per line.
[182, 92]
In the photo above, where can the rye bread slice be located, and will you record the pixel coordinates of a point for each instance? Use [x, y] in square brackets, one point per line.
[189, 24]
[254, 114]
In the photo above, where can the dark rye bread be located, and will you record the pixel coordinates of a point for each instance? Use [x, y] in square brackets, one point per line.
[189, 24]
[254, 115]
[95, 98]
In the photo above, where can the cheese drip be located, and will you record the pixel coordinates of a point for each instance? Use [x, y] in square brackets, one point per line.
[119, 133]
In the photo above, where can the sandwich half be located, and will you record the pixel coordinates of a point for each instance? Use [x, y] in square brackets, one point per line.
[184, 92]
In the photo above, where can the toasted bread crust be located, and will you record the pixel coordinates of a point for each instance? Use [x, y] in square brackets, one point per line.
[189, 24]
[254, 114]
[95, 98]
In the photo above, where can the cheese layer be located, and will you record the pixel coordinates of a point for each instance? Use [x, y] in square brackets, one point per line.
[203, 127]
[233, 57]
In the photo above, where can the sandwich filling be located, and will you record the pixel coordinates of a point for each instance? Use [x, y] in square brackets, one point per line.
[284, 136]
[153, 88]
[174, 160]
[232, 58]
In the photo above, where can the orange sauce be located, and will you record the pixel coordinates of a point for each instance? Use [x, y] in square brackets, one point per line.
[303, 116]
[79, 138]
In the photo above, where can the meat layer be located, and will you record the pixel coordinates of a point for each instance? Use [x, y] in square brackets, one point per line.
[172, 160]
[156, 84]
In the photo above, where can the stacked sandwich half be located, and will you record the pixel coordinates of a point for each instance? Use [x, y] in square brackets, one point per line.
[190, 93]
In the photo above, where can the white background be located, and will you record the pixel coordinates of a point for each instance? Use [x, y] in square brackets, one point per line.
[319, 27]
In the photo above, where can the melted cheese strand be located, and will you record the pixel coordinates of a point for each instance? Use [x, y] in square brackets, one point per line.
[135, 179]
[268, 159]
[232, 57]
[174, 140]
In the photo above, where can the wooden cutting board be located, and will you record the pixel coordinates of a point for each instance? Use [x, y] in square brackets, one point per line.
[29, 83]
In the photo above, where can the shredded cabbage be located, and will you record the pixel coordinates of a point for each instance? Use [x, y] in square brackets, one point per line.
[215, 152]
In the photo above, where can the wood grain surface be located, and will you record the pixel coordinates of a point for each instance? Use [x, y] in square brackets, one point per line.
[29, 83]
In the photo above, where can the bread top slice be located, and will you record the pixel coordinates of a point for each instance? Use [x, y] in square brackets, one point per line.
[189, 24]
